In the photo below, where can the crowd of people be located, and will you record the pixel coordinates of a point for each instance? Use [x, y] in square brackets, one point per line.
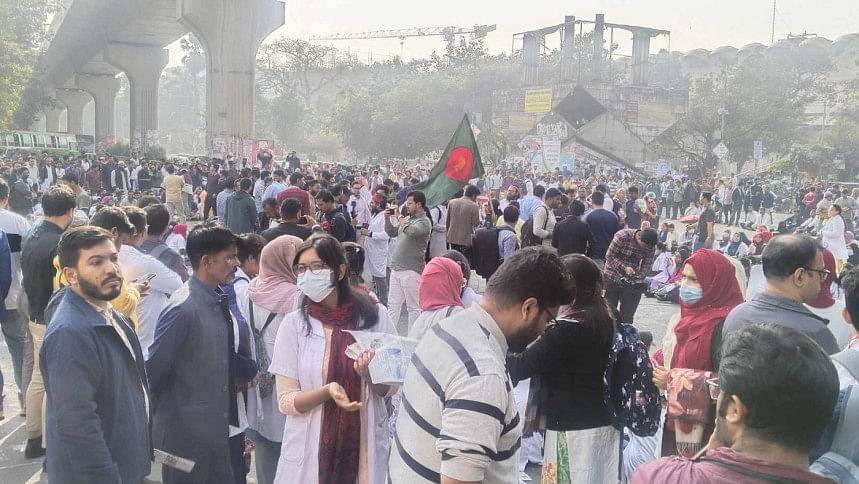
[199, 314]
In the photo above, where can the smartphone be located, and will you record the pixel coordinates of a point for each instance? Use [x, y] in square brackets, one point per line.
[365, 226]
[144, 279]
[302, 220]
[392, 211]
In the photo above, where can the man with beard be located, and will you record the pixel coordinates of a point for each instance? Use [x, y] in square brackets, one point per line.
[95, 380]
[460, 422]
[776, 392]
[193, 367]
[512, 195]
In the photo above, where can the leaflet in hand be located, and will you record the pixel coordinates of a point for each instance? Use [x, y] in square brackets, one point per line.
[393, 354]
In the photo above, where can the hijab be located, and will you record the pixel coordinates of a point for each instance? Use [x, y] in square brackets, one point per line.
[275, 287]
[824, 298]
[181, 229]
[720, 294]
[441, 285]
[733, 246]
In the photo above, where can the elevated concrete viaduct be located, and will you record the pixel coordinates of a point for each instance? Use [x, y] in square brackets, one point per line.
[95, 40]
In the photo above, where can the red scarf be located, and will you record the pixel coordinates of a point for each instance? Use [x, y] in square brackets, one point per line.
[824, 297]
[721, 293]
[340, 440]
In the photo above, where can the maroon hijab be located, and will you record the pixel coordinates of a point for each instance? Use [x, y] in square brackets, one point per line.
[720, 294]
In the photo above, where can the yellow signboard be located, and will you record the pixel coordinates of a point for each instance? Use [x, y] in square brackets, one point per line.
[538, 100]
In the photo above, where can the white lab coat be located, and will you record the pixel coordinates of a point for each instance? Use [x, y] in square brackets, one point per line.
[833, 237]
[376, 246]
[438, 236]
[299, 355]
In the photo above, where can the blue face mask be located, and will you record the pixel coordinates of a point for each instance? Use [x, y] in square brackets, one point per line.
[690, 295]
[315, 286]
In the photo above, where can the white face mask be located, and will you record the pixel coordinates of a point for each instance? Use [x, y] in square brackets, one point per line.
[316, 286]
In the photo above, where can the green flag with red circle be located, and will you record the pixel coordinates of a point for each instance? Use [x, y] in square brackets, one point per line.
[459, 163]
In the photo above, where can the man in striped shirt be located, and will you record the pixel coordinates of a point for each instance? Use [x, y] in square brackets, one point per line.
[458, 420]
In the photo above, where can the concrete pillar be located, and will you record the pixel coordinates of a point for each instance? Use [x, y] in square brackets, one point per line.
[531, 58]
[599, 31]
[568, 48]
[103, 89]
[142, 66]
[640, 57]
[75, 100]
[231, 32]
[52, 118]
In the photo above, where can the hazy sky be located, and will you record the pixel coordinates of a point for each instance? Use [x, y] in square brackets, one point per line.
[693, 23]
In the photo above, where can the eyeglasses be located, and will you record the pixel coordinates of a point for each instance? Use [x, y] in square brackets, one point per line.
[315, 268]
[713, 386]
[824, 273]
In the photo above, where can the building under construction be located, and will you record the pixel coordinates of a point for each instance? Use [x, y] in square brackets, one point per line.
[585, 112]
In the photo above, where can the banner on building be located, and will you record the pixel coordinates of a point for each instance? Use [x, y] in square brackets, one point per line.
[538, 100]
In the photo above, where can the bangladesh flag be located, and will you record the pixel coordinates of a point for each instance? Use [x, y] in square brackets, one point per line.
[459, 163]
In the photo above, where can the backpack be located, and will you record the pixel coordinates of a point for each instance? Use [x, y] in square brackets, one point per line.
[263, 360]
[839, 463]
[351, 233]
[487, 256]
[528, 237]
[636, 404]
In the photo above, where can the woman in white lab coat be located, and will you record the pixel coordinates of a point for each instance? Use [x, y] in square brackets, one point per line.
[833, 237]
[336, 426]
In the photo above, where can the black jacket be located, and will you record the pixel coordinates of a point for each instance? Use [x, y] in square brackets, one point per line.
[37, 266]
[570, 359]
[572, 236]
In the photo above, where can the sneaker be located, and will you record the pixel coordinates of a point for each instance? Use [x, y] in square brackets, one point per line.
[34, 448]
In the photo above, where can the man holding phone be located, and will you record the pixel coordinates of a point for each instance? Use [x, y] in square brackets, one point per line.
[409, 257]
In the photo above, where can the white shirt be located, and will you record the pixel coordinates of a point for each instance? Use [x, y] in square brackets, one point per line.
[438, 235]
[134, 264]
[262, 413]
[362, 210]
[259, 186]
[175, 242]
[241, 289]
[15, 227]
[753, 217]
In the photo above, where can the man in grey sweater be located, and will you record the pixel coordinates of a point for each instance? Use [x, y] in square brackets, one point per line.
[794, 269]
[409, 257]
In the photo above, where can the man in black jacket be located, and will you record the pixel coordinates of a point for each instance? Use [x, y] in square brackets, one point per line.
[37, 266]
[572, 236]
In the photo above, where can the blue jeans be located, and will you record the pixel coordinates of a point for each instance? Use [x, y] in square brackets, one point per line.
[14, 327]
[266, 456]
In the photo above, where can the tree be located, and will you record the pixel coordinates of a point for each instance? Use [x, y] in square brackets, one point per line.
[299, 68]
[22, 33]
[762, 98]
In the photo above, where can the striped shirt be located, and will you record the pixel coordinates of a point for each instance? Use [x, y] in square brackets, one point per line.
[458, 417]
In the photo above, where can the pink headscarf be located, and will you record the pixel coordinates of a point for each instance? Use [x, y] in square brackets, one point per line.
[274, 288]
[441, 285]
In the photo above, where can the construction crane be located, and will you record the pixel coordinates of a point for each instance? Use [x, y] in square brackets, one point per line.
[448, 33]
